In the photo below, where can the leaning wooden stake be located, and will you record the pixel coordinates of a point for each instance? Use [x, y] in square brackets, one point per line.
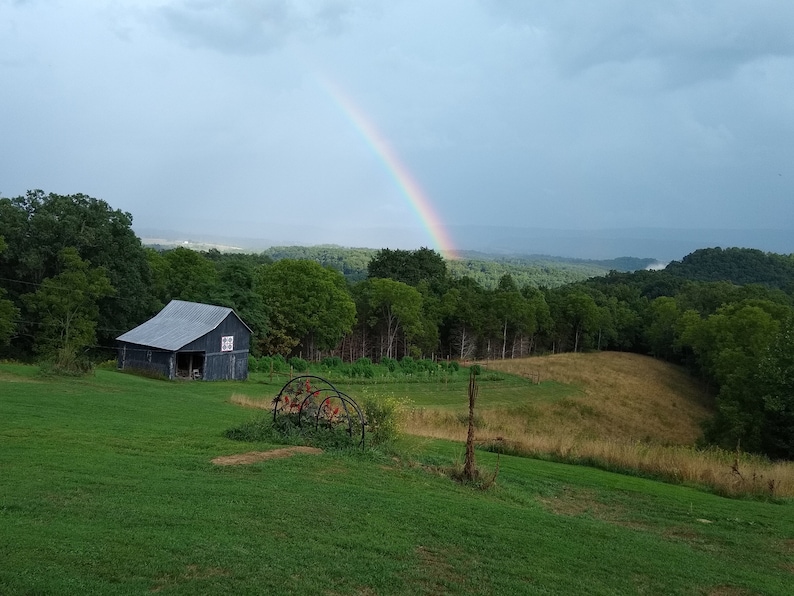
[469, 467]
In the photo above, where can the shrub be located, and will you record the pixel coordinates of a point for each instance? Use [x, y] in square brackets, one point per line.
[298, 364]
[389, 363]
[277, 362]
[427, 365]
[253, 364]
[332, 362]
[362, 368]
[383, 420]
[408, 365]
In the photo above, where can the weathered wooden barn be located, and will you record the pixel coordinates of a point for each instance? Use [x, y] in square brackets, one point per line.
[188, 340]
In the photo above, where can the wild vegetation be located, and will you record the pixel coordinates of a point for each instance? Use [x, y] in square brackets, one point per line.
[74, 276]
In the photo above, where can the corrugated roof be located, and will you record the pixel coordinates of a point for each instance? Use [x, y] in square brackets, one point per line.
[178, 324]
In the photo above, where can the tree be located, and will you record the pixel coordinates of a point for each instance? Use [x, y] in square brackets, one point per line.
[575, 314]
[236, 289]
[410, 267]
[9, 314]
[66, 306]
[308, 305]
[730, 345]
[38, 226]
[775, 384]
[395, 308]
[661, 330]
[463, 307]
[189, 275]
[511, 310]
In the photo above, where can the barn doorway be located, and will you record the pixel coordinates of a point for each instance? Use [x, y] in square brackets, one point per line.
[190, 365]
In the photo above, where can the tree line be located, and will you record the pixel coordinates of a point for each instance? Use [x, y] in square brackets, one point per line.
[73, 276]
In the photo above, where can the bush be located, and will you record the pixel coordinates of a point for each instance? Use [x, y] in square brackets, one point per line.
[427, 365]
[389, 363]
[362, 368]
[408, 365]
[253, 364]
[383, 420]
[277, 362]
[332, 362]
[298, 364]
[286, 431]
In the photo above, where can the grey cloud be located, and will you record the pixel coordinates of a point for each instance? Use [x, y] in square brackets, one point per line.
[251, 26]
[683, 42]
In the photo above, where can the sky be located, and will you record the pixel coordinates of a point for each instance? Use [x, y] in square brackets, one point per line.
[405, 123]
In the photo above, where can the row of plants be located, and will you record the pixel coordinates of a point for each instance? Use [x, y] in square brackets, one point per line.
[363, 368]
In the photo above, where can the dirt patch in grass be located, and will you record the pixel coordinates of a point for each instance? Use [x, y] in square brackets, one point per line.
[7, 377]
[190, 573]
[576, 503]
[255, 456]
[729, 591]
[440, 574]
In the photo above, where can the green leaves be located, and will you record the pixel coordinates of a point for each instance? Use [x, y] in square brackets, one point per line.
[308, 304]
[67, 309]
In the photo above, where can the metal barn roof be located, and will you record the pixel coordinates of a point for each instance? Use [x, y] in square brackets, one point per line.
[178, 324]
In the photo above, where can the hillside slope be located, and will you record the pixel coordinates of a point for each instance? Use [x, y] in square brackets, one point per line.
[619, 396]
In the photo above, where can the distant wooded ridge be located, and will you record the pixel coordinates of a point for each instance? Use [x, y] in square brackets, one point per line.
[486, 269]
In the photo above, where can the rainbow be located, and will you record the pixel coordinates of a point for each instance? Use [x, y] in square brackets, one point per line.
[402, 176]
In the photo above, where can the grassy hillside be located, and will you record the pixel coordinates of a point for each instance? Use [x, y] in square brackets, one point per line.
[619, 396]
[108, 487]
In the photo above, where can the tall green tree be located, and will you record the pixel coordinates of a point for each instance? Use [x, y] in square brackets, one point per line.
[9, 314]
[38, 226]
[395, 308]
[67, 308]
[775, 384]
[575, 314]
[464, 307]
[309, 306]
[410, 267]
[730, 345]
[236, 289]
[188, 275]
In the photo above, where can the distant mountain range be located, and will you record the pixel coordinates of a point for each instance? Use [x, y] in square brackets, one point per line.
[655, 244]
[661, 244]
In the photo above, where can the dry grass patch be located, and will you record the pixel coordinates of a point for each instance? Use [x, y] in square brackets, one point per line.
[251, 402]
[623, 395]
[633, 413]
[256, 456]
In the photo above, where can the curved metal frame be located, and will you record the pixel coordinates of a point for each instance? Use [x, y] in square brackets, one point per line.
[346, 401]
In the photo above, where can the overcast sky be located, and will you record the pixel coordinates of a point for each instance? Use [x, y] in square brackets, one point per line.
[238, 117]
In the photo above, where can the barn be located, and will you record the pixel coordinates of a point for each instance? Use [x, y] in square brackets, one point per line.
[188, 340]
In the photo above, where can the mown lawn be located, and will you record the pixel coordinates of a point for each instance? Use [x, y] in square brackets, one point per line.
[107, 487]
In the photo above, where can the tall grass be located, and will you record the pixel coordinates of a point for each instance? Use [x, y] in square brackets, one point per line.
[632, 414]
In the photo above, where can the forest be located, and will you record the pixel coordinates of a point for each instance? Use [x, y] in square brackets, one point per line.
[73, 276]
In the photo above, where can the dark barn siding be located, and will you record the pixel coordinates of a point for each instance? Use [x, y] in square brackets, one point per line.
[144, 358]
[224, 365]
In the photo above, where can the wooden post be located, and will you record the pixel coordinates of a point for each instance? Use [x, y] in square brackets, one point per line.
[469, 467]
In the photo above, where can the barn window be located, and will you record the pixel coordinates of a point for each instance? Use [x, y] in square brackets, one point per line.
[227, 343]
[148, 355]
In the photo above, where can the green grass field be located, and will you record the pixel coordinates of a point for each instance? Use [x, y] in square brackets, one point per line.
[107, 487]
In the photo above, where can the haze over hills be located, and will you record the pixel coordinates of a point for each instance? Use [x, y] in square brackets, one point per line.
[660, 244]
